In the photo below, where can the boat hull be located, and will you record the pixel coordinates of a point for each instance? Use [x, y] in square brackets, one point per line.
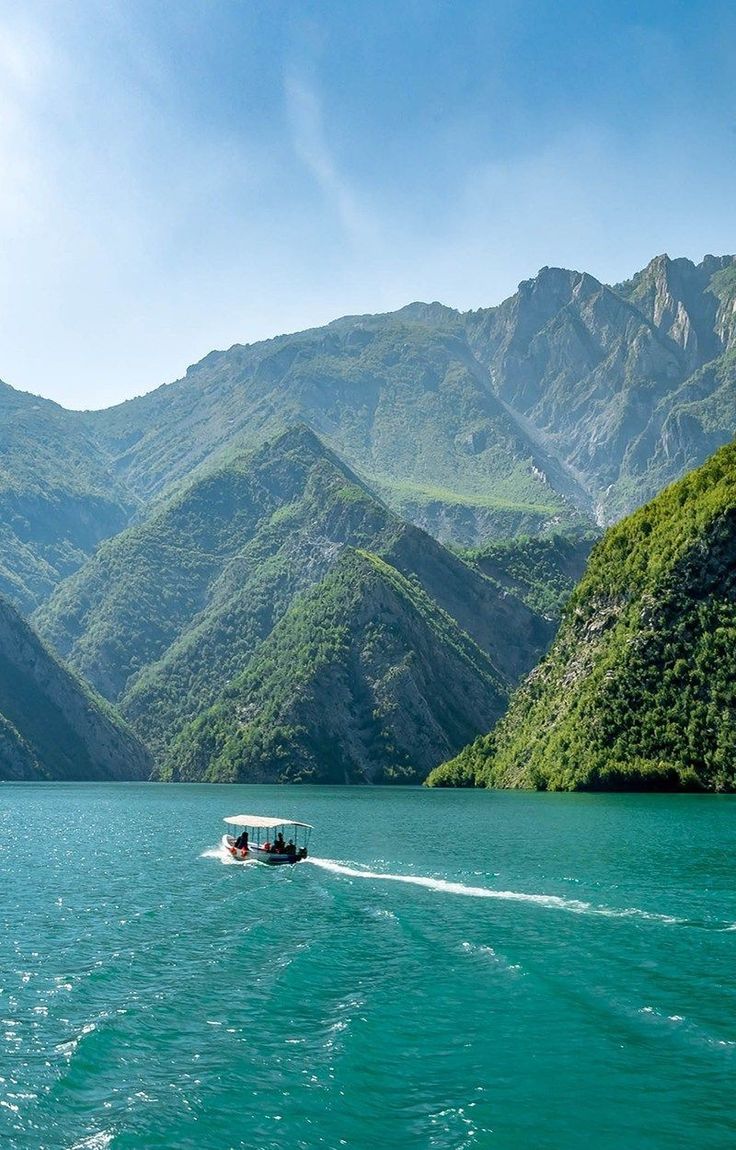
[258, 854]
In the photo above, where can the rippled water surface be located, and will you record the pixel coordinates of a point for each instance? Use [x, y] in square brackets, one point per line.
[449, 969]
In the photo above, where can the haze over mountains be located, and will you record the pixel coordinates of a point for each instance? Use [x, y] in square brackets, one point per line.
[251, 562]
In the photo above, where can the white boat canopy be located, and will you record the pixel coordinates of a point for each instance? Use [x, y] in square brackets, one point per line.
[263, 821]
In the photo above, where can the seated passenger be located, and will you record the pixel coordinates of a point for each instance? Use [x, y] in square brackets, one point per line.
[241, 841]
[290, 848]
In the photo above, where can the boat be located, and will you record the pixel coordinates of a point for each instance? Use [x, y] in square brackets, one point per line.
[270, 840]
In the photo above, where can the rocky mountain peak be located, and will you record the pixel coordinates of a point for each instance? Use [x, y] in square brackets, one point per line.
[674, 294]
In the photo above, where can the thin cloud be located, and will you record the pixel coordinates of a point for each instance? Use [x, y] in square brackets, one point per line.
[309, 139]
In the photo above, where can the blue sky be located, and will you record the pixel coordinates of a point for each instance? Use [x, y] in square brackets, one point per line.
[186, 175]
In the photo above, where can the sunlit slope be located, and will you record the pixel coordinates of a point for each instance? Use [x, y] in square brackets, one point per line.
[167, 614]
[630, 386]
[365, 679]
[542, 571]
[400, 397]
[639, 688]
[51, 725]
[568, 399]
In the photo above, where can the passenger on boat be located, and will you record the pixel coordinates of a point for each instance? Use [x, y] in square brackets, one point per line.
[290, 848]
[279, 846]
[241, 841]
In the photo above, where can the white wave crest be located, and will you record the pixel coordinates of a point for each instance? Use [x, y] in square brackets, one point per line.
[552, 901]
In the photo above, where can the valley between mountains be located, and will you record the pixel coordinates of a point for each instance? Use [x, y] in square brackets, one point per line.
[336, 556]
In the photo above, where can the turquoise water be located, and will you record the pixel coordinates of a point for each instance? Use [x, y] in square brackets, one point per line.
[550, 971]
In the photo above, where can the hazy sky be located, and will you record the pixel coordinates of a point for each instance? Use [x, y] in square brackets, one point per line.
[184, 175]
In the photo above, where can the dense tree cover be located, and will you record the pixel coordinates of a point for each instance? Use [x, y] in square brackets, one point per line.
[166, 615]
[541, 570]
[51, 725]
[364, 679]
[639, 689]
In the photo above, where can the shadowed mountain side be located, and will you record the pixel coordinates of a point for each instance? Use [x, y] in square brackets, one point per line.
[363, 680]
[58, 496]
[541, 571]
[639, 688]
[494, 616]
[162, 618]
[51, 725]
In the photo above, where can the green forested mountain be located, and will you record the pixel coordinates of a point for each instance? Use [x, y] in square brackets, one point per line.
[169, 613]
[639, 688]
[364, 679]
[51, 726]
[182, 529]
[570, 402]
[542, 571]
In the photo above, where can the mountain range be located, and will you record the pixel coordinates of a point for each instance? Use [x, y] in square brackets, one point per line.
[167, 617]
[570, 403]
[332, 555]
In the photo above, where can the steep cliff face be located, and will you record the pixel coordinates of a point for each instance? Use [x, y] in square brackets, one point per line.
[639, 688]
[677, 297]
[363, 680]
[51, 726]
[603, 374]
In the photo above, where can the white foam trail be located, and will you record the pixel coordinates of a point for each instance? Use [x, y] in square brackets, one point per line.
[440, 884]
[553, 901]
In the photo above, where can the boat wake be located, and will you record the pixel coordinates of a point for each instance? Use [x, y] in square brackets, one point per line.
[552, 901]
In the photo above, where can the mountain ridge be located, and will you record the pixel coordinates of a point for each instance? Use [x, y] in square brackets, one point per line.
[569, 402]
[402, 679]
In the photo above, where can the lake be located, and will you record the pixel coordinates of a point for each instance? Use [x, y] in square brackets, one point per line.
[448, 970]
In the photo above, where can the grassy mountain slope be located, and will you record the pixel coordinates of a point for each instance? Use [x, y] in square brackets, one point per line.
[639, 689]
[51, 725]
[569, 396]
[165, 615]
[365, 679]
[400, 397]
